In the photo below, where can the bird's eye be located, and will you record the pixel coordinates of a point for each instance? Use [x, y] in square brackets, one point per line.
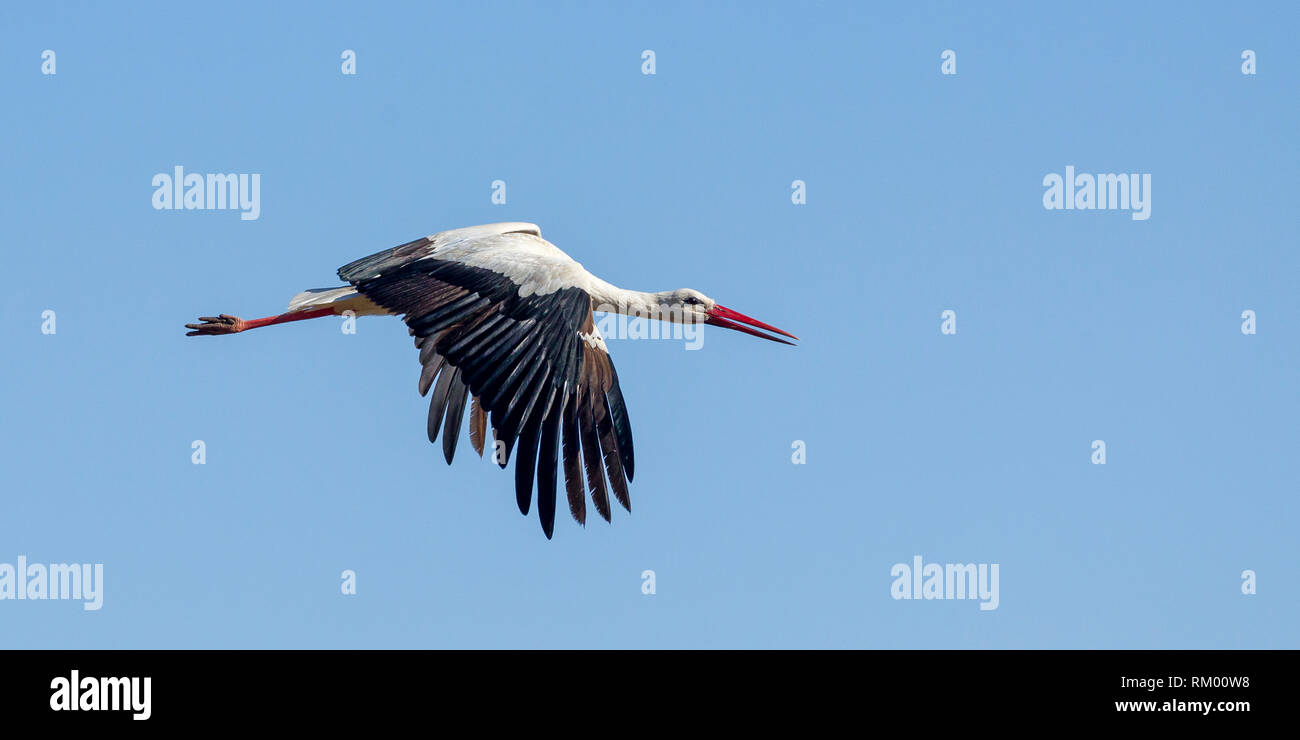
[691, 300]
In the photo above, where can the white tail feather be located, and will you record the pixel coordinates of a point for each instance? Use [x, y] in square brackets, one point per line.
[340, 299]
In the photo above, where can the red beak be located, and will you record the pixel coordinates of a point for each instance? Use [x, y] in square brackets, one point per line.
[727, 318]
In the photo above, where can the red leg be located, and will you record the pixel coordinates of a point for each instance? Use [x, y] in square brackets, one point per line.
[226, 324]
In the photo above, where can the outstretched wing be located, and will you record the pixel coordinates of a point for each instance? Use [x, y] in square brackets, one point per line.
[497, 317]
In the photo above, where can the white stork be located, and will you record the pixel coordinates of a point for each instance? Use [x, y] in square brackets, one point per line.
[503, 316]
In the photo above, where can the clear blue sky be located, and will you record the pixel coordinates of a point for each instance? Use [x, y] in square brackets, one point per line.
[924, 194]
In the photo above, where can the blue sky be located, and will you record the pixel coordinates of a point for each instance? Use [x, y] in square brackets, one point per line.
[924, 194]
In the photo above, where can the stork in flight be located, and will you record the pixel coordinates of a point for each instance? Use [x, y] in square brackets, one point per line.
[504, 317]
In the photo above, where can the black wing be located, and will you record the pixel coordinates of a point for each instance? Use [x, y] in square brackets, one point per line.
[546, 389]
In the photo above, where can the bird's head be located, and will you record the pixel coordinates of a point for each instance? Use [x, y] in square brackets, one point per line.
[691, 306]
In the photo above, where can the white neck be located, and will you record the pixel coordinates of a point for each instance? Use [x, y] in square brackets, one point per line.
[613, 299]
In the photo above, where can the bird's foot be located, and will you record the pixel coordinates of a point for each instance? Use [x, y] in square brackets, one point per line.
[215, 325]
